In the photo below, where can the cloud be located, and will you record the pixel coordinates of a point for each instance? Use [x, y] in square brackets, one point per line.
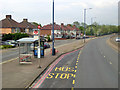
[62, 7]
[104, 3]
[84, 5]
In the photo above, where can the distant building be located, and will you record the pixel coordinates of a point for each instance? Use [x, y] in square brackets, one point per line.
[8, 25]
[47, 30]
[60, 31]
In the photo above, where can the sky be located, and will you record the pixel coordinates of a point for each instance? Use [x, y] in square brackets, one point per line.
[66, 11]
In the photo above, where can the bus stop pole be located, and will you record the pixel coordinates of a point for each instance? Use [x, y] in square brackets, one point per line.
[39, 50]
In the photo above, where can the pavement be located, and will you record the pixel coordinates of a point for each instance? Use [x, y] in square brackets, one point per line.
[15, 75]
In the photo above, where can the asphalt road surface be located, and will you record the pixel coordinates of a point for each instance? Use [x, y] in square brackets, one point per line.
[94, 66]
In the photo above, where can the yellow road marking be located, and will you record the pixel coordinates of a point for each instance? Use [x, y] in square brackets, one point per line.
[74, 75]
[9, 60]
[76, 63]
[73, 82]
[75, 70]
[75, 66]
[72, 88]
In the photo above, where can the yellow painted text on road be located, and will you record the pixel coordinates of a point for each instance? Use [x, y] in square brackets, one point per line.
[61, 75]
[65, 69]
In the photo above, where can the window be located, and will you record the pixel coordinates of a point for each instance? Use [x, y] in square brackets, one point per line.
[12, 30]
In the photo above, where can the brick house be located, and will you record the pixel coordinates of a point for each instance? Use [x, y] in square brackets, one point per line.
[8, 25]
[47, 30]
[27, 27]
[60, 31]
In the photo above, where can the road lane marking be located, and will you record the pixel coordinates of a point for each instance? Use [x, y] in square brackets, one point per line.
[73, 82]
[75, 70]
[9, 60]
[75, 66]
[76, 63]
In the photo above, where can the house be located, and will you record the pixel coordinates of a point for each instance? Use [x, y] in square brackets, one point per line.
[47, 30]
[64, 30]
[8, 25]
[60, 31]
[27, 27]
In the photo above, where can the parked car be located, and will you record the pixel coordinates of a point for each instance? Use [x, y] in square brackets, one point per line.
[118, 39]
[9, 43]
[78, 38]
[46, 45]
[12, 42]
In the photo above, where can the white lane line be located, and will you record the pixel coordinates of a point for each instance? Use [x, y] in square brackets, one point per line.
[9, 60]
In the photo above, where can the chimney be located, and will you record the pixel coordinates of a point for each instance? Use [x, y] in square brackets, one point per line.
[62, 24]
[68, 25]
[25, 20]
[8, 16]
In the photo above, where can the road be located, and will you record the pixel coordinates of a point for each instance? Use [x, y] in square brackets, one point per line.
[14, 53]
[94, 66]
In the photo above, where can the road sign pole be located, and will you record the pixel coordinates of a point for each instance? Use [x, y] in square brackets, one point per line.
[39, 49]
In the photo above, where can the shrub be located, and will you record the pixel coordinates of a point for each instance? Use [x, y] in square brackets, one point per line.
[5, 46]
[14, 36]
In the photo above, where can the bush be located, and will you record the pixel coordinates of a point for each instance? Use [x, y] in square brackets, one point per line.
[14, 36]
[5, 46]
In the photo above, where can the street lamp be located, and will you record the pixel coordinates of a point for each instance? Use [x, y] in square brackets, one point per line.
[53, 49]
[91, 24]
[85, 22]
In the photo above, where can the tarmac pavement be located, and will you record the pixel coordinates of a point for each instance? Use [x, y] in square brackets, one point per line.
[15, 75]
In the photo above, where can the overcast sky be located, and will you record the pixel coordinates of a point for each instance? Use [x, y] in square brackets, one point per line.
[66, 11]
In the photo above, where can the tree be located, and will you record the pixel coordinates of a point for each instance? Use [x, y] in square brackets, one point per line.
[77, 24]
[36, 24]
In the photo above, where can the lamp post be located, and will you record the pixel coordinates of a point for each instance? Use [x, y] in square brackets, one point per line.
[91, 24]
[53, 49]
[85, 22]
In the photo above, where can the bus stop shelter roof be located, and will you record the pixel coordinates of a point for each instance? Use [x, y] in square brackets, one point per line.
[27, 40]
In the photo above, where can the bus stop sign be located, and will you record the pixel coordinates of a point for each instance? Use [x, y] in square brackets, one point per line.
[39, 26]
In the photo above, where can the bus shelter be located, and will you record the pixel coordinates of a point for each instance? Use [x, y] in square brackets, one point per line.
[26, 52]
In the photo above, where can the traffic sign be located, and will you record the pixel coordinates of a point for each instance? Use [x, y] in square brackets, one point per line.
[39, 26]
[35, 32]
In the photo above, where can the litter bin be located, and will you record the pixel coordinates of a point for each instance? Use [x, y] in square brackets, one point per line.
[42, 48]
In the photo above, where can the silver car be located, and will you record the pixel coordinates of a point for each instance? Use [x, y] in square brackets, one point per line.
[118, 39]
